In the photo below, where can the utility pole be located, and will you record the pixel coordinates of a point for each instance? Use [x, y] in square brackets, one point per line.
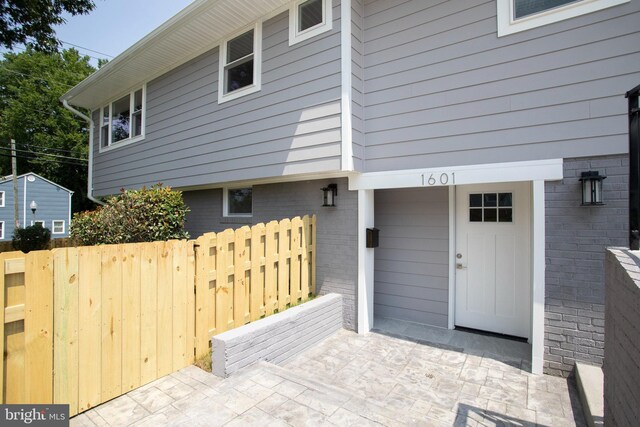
[14, 171]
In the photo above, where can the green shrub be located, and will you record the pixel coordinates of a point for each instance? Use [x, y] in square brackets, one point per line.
[146, 215]
[31, 238]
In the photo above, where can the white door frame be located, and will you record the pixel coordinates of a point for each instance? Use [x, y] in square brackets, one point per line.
[537, 172]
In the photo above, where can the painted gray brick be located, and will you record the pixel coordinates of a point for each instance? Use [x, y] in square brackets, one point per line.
[576, 240]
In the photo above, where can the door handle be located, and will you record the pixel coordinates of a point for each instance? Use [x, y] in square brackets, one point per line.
[459, 266]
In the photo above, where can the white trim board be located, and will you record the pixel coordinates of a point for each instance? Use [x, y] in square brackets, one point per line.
[546, 170]
[346, 86]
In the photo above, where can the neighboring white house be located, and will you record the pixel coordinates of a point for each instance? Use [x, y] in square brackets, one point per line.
[460, 129]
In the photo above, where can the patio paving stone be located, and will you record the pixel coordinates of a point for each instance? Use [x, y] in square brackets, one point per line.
[349, 379]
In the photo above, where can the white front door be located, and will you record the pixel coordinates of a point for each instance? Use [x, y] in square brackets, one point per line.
[493, 258]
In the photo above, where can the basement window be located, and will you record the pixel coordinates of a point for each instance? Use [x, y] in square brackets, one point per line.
[238, 201]
[520, 15]
[122, 120]
[308, 18]
[240, 64]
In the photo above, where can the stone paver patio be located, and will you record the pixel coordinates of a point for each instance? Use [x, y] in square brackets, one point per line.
[351, 379]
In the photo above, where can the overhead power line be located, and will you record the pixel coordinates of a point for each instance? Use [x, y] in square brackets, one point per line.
[45, 154]
[59, 161]
[28, 145]
[86, 48]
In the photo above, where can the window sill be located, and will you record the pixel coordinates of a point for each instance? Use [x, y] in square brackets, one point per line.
[120, 144]
[239, 93]
[295, 38]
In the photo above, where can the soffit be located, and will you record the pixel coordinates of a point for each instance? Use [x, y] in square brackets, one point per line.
[196, 29]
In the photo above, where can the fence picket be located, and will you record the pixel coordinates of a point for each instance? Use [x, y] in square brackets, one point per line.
[148, 312]
[284, 263]
[131, 316]
[66, 327]
[296, 239]
[38, 327]
[270, 271]
[257, 271]
[165, 309]
[111, 298]
[179, 309]
[241, 283]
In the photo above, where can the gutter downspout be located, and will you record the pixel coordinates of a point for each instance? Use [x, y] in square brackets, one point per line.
[90, 172]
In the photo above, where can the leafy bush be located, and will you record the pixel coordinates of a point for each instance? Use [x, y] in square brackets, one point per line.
[31, 238]
[146, 215]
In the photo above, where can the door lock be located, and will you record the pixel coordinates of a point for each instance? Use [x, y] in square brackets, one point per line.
[459, 266]
[459, 256]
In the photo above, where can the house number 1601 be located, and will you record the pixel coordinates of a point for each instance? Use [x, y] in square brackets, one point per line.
[442, 179]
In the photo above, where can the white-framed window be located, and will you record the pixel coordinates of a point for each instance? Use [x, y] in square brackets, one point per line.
[57, 227]
[237, 201]
[308, 18]
[122, 120]
[42, 223]
[240, 68]
[1, 229]
[1, 199]
[520, 15]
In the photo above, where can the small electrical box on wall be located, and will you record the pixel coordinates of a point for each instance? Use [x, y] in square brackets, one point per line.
[372, 237]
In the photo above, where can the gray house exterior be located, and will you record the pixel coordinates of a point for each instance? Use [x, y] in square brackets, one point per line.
[52, 200]
[458, 128]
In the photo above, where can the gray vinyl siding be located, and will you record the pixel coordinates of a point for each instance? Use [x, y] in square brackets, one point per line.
[291, 126]
[442, 89]
[411, 264]
[53, 204]
[357, 86]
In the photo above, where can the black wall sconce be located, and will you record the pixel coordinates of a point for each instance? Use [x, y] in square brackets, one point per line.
[329, 195]
[592, 188]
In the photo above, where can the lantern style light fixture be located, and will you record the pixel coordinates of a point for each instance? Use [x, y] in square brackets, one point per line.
[329, 195]
[33, 205]
[592, 188]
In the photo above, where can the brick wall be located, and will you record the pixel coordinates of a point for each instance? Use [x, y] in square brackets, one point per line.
[622, 339]
[576, 239]
[337, 251]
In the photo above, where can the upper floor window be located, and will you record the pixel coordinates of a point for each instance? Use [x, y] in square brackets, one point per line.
[1, 199]
[238, 201]
[240, 64]
[122, 121]
[308, 18]
[520, 15]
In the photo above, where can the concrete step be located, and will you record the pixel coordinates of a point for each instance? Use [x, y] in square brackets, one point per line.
[590, 381]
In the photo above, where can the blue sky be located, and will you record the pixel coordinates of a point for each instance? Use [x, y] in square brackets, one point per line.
[115, 25]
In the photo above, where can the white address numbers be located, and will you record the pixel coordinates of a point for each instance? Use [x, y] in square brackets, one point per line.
[436, 179]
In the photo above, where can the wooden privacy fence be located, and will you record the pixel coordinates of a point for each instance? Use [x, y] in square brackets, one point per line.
[84, 325]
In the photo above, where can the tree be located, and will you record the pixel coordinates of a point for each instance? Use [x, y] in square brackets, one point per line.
[49, 138]
[30, 22]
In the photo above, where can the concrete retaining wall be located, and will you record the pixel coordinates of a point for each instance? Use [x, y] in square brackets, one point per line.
[622, 339]
[279, 337]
